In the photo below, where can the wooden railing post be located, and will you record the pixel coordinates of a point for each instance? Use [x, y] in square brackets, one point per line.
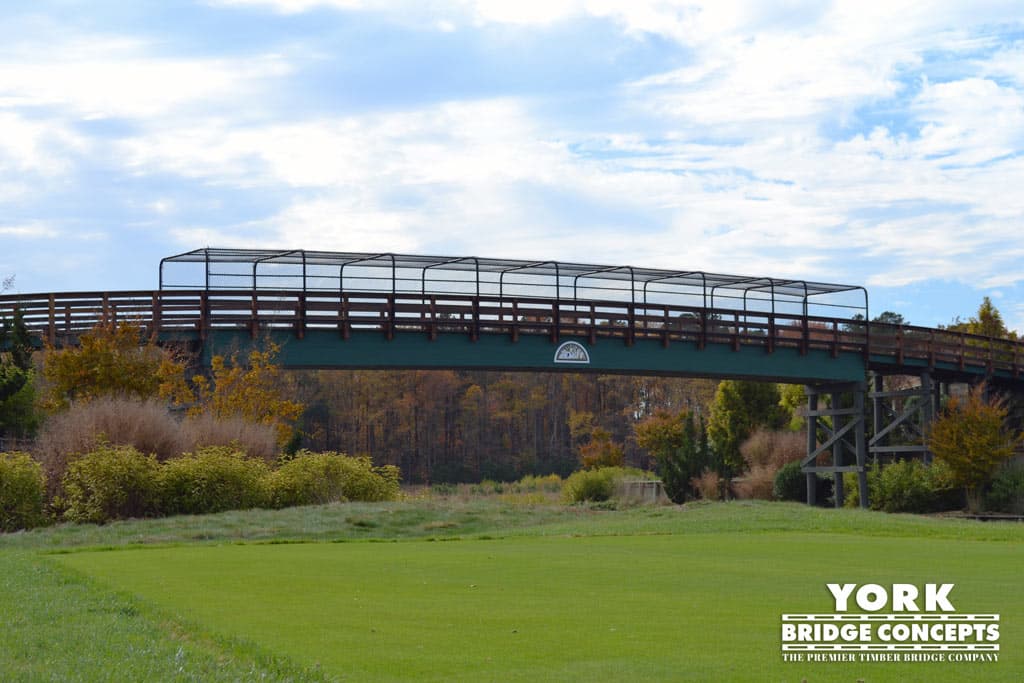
[556, 318]
[593, 325]
[805, 335]
[665, 329]
[432, 327]
[475, 330]
[389, 332]
[204, 315]
[254, 315]
[343, 319]
[515, 320]
[156, 315]
[630, 325]
[51, 330]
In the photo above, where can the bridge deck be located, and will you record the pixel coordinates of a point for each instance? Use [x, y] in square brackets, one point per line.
[59, 318]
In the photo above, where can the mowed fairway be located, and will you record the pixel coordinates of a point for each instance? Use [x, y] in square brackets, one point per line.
[702, 606]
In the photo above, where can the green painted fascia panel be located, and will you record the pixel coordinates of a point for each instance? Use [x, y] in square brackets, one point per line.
[952, 370]
[326, 349]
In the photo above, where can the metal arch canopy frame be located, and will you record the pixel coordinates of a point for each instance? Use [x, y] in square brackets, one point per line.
[549, 274]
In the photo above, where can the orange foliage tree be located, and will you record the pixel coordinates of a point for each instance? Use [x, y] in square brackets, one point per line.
[250, 390]
[601, 451]
[112, 360]
[971, 437]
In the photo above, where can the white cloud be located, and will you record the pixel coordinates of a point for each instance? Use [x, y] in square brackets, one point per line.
[970, 121]
[36, 146]
[30, 231]
[294, 6]
[114, 77]
[1007, 63]
[728, 163]
[477, 178]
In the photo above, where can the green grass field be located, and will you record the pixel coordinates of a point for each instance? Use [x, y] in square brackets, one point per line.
[513, 593]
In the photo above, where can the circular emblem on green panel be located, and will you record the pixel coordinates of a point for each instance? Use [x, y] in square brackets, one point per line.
[572, 352]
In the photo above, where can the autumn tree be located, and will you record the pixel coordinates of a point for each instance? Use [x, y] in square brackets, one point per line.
[679, 445]
[972, 438]
[601, 451]
[250, 390]
[740, 407]
[112, 360]
[987, 322]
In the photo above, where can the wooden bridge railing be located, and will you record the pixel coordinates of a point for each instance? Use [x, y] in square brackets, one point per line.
[60, 317]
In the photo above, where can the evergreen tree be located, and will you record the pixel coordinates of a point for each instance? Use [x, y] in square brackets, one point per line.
[17, 391]
[740, 407]
[679, 444]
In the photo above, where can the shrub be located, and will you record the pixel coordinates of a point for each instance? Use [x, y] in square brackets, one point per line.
[212, 479]
[852, 487]
[22, 492]
[790, 483]
[709, 485]
[316, 478]
[488, 486]
[597, 485]
[444, 489]
[550, 483]
[112, 482]
[146, 426]
[758, 482]
[256, 440]
[1007, 492]
[906, 486]
[973, 438]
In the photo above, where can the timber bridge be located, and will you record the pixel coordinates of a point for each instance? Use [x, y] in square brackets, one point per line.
[357, 310]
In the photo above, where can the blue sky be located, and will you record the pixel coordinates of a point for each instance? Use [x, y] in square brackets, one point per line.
[875, 143]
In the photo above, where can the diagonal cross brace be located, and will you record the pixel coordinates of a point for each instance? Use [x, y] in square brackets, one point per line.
[903, 418]
[836, 436]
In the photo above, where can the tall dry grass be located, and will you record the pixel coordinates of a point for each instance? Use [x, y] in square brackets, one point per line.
[765, 452]
[773, 449]
[254, 439]
[145, 425]
[148, 427]
[709, 485]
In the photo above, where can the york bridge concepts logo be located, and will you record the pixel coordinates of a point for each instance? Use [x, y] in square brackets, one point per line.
[572, 352]
[902, 623]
